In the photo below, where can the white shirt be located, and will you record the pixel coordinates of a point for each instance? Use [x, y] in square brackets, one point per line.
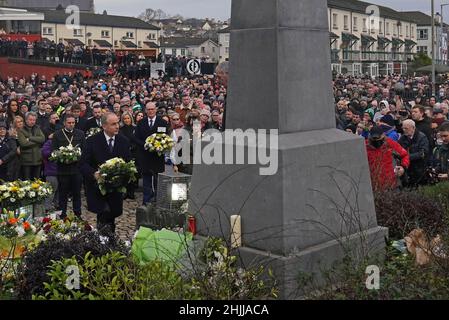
[108, 138]
[149, 121]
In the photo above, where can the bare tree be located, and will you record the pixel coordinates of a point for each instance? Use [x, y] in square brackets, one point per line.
[150, 15]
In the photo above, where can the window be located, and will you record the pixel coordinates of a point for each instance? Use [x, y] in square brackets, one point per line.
[163, 51]
[380, 27]
[47, 30]
[153, 36]
[213, 49]
[387, 29]
[183, 52]
[203, 49]
[130, 35]
[422, 49]
[89, 42]
[407, 34]
[227, 50]
[115, 43]
[364, 25]
[105, 34]
[335, 21]
[346, 22]
[412, 31]
[139, 44]
[423, 34]
[173, 52]
[400, 31]
[77, 32]
[373, 27]
[355, 24]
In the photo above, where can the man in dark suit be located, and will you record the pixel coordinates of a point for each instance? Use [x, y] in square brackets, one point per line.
[151, 164]
[97, 150]
[69, 177]
[80, 122]
[95, 121]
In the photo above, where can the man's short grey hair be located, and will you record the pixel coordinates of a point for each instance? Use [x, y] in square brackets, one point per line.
[409, 122]
[105, 117]
[30, 114]
[223, 66]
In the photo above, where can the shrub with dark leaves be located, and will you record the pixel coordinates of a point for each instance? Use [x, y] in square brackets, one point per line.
[35, 264]
[403, 211]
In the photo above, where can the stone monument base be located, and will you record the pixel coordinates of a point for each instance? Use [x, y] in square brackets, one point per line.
[318, 203]
[315, 260]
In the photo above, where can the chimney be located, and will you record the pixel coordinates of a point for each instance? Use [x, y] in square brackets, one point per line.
[105, 13]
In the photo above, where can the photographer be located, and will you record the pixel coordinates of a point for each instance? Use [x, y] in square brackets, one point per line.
[417, 145]
[441, 153]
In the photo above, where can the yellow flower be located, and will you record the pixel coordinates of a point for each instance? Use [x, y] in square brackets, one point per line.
[14, 189]
[35, 186]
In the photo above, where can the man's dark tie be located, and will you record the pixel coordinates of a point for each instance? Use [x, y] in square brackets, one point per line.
[111, 146]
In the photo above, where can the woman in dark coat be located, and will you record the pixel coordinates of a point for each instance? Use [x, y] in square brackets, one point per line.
[127, 129]
[8, 149]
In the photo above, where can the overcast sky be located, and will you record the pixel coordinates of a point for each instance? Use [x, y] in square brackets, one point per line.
[221, 9]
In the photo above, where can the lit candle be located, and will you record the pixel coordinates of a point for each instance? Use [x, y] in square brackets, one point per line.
[236, 232]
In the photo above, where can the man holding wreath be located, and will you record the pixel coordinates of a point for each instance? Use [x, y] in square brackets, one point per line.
[98, 149]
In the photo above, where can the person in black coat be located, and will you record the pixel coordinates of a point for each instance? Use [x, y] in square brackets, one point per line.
[97, 150]
[69, 177]
[128, 129]
[423, 124]
[8, 149]
[417, 145]
[151, 164]
[95, 121]
[80, 122]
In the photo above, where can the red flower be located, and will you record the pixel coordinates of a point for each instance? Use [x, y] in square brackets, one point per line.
[12, 221]
[26, 226]
[47, 228]
[46, 220]
[87, 227]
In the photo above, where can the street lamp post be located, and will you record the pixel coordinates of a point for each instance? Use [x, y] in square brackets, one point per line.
[433, 45]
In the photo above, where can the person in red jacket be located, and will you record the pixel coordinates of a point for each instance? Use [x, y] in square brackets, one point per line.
[387, 160]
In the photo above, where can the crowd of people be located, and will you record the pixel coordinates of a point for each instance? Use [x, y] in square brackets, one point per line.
[135, 64]
[39, 115]
[406, 127]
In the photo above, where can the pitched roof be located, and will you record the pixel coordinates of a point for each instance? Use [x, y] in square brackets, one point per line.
[74, 42]
[361, 6]
[151, 44]
[103, 43]
[128, 44]
[91, 19]
[421, 18]
[225, 30]
[180, 42]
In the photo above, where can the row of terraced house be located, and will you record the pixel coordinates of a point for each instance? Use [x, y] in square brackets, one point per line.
[370, 39]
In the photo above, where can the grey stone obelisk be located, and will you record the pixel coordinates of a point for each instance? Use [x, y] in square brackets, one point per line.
[320, 202]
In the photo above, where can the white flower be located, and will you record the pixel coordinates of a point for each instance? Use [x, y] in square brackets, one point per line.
[12, 200]
[20, 231]
[103, 239]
